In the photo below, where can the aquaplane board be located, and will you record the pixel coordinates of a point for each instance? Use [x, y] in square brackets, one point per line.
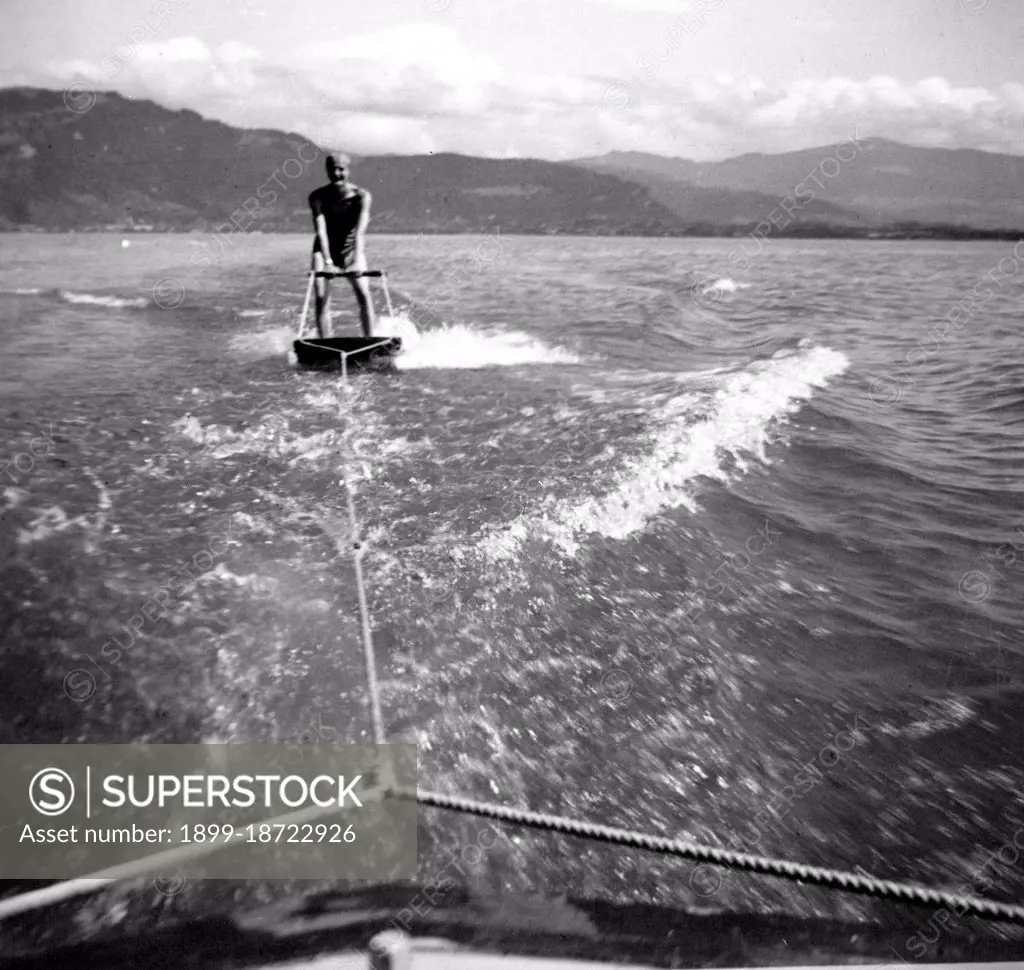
[323, 352]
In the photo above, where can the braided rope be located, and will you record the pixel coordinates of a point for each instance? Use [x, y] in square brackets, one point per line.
[781, 868]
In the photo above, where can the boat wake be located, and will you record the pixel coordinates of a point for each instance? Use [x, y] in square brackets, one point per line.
[81, 299]
[95, 299]
[694, 436]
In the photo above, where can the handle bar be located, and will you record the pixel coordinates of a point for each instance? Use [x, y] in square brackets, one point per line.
[352, 274]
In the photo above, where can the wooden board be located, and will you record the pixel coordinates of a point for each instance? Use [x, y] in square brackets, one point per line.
[327, 353]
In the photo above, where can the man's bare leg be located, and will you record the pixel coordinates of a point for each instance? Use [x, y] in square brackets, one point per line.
[361, 288]
[321, 289]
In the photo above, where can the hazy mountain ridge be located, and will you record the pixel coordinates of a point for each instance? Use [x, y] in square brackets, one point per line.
[736, 208]
[875, 181]
[127, 164]
[130, 164]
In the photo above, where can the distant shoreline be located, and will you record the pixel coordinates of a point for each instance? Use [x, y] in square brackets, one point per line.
[900, 233]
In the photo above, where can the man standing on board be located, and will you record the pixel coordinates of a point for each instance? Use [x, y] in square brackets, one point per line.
[341, 211]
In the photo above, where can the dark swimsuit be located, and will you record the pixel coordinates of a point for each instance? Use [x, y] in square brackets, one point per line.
[342, 216]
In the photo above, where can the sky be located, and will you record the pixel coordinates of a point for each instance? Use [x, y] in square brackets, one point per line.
[554, 79]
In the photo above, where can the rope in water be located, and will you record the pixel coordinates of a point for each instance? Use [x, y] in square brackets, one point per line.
[364, 615]
[355, 534]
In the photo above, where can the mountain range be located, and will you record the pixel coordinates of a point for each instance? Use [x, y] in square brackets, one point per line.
[127, 164]
[870, 181]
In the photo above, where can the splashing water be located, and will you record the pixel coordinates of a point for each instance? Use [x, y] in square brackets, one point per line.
[398, 325]
[725, 285]
[456, 346]
[462, 347]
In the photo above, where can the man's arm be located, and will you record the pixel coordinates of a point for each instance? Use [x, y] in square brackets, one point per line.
[364, 220]
[325, 247]
[320, 224]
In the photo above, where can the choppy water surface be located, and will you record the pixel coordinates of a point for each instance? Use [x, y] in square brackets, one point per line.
[633, 557]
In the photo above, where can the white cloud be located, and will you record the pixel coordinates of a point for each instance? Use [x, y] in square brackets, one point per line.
[658, 6]
[438, 50]
[929, 111]
[175, 51]
[232, 52]
[411, 89]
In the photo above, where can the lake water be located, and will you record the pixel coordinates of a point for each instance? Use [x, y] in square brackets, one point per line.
[643, 536]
